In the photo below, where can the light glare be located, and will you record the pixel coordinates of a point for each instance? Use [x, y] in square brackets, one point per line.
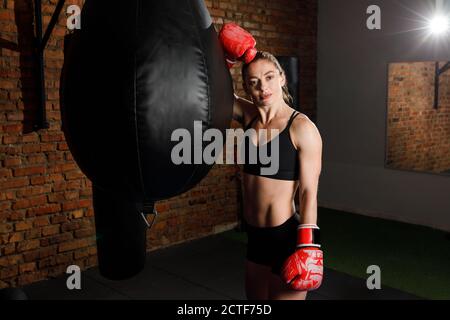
[439, 25]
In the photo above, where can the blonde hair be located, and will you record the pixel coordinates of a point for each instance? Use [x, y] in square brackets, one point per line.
[269, 57]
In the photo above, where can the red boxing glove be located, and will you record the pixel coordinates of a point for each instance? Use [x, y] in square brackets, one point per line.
[237, 43]
[303, 270]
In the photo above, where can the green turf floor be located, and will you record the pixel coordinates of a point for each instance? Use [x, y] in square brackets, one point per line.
[412, 258]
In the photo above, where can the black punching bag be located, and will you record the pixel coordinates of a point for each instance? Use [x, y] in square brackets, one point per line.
[136, 71]
[291, 68]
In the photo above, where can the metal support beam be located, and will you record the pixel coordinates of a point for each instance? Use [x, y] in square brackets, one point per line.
[41, 43]
[438, 73]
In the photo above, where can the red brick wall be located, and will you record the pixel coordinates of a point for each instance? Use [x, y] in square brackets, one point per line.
[282, 27]
[46, 215]
[418, 134]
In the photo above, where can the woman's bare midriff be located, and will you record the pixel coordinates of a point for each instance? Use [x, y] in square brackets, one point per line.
[268, 202]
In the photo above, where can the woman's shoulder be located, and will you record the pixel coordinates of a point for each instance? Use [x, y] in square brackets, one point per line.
[249, 116]
[244, 110]
[301, 120]
[250, 113]
[298, 115]
[303, 130]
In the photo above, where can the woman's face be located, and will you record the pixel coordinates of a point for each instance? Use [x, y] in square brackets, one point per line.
[264, 83]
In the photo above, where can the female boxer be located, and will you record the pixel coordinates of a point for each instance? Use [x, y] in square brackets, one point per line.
[283, 259]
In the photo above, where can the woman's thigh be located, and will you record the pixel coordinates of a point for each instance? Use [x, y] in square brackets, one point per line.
[278, 290]
[257, 277]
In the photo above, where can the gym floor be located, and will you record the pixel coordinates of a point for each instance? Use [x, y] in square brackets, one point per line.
[213, 267]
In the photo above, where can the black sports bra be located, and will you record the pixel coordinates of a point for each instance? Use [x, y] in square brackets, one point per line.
[288, 168]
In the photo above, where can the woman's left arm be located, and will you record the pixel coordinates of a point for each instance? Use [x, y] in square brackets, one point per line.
[303, 270]
[309, 145]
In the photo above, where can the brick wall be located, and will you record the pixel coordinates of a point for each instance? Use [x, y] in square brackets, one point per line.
[282, 27]
[418, 134]
[46, 215]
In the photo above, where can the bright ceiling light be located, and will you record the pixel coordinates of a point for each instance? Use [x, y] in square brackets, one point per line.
[439, 25]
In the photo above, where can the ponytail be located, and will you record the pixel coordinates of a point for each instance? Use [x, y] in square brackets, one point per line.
[287, 97]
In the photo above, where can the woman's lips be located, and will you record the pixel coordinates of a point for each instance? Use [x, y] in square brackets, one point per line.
[266, 96]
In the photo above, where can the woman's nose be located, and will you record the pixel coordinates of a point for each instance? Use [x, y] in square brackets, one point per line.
[263, 85]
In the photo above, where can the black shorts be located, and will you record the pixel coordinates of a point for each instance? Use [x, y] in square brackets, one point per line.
[271, 246]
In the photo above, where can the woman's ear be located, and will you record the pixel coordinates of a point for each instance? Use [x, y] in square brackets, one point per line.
[283, 79]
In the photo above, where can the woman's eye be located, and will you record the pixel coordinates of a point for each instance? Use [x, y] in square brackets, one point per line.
[269, 78]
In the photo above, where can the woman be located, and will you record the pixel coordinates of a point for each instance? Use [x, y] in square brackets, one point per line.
[269, 210]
